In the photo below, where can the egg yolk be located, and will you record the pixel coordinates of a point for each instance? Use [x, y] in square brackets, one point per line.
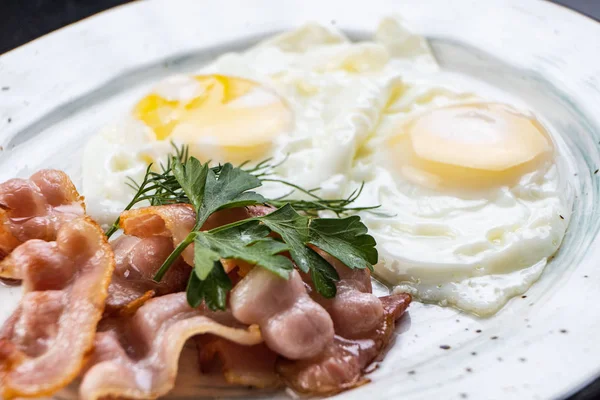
[470, 146]
[226, 118]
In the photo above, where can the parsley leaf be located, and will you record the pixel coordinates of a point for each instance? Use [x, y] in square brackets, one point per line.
[212, 290]
[227, 190]
[204, 258]
[324, 279]
[293, 229]
[248, 241]
[209, 191]
[346, 239]
[191, 175]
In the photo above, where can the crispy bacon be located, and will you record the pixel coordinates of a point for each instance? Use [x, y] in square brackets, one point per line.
[174, 221]
[341, 366]
[363, 325]
[240, 365]
[355, 310]
[43, 344]
[137, 357]
[137, 260]
[291, 323]
[35, 208]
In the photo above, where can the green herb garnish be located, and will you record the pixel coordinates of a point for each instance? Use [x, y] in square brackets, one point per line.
[160, 188]
[186, 180]
[345, 239]
[213, 290]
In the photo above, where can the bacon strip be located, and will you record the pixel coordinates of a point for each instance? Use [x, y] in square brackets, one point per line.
[341, 366]
[151, 234]
[363, 325]
[35, 208]
[137, 357]
[292, 324]
[355, 310]
[174, 221]
[240, 365]
[43, 344]
[137, 260]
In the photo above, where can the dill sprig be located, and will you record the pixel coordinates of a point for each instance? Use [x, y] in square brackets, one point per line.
[316, 203]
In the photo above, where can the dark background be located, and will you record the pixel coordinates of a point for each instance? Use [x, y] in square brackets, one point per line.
[25, 20]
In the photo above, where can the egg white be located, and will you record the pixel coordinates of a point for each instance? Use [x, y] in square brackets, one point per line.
[472, 249]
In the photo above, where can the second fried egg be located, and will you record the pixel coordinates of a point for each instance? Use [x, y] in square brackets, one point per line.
[475, 201]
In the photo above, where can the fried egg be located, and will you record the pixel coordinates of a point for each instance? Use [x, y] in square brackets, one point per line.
[309, 95]
[473, 199]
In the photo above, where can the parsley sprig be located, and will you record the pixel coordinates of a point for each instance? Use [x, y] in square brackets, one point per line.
[209, 190]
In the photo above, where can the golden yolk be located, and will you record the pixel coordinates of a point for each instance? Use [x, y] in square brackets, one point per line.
[470, 146]
[230, 119]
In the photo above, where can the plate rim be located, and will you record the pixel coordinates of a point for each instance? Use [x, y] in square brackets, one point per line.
[73, 29]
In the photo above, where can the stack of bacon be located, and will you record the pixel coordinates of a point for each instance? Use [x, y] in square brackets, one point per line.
[91, 310]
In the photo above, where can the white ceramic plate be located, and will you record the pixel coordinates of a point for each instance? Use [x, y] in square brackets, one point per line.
[64, 86]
